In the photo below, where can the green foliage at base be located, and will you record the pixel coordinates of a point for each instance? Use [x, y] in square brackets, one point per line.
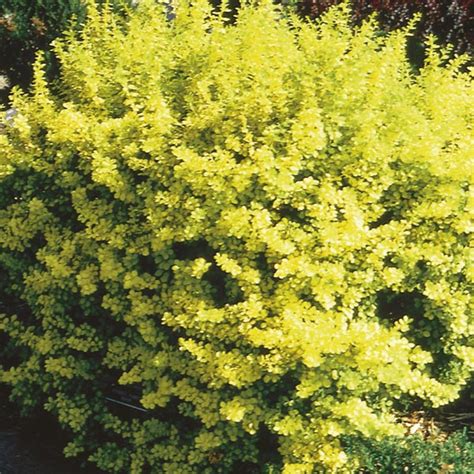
[260, 231]
[414, 455]
[27, 27]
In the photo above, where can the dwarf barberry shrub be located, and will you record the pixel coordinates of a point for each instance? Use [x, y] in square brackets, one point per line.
[260, 231]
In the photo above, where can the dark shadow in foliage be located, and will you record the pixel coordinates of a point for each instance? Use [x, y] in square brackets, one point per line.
[192, 250]
[384, 219]
[263, 264]
[232, 9]
[425, 333]
[391, 306]
[267, 445]
[416, 52]
[292, 214]
[147, 264]
[225, 289]
[245, 467]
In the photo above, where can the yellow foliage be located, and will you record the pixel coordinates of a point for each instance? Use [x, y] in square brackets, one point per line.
[261, 230]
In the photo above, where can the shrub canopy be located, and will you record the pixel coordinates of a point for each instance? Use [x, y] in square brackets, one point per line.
[260, 230]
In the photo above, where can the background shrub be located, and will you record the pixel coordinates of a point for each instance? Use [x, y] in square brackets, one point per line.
[452, 21]
[27, 27]
[255, 235]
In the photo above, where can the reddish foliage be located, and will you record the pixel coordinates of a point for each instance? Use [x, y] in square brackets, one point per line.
[451, 20]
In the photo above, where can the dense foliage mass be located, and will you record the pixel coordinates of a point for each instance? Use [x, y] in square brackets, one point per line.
[260, 231]
[451, 20]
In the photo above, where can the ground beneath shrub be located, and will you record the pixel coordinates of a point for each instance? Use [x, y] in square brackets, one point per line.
[20, 457]
[33, 445]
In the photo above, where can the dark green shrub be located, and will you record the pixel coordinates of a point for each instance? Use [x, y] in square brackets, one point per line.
[414, 455]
